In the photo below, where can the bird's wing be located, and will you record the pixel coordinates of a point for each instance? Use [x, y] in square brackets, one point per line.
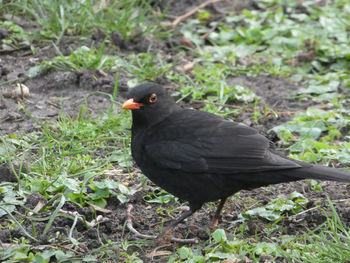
[199, 142]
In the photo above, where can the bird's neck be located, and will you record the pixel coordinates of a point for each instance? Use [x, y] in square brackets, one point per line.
[143, 120]
[139, 122]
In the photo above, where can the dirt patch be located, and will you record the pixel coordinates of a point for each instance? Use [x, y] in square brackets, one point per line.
[53, 93]
[275, 92]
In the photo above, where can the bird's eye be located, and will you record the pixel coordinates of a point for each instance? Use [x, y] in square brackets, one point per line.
[153, 98]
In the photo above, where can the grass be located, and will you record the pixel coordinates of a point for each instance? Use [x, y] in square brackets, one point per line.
[145, 66]
[311, 135]
[81, 18]
[86, 162]
[17, 37]
[327, 243]
[71, 161]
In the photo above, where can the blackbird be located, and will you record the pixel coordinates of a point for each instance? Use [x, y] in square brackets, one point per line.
[200, 157]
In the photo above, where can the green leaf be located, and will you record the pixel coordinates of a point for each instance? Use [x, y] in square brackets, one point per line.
[313, 132]
[222, 255]
[184, 252]
[296, 195]
[219, 235]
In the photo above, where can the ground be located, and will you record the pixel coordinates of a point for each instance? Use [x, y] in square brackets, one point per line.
[55, 93]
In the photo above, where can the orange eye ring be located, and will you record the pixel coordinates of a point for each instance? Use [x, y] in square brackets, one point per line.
[153, 98]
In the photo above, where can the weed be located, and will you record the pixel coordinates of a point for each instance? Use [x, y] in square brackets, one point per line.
[59, 18]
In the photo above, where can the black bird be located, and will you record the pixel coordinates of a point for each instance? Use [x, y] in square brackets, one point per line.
[200, 157]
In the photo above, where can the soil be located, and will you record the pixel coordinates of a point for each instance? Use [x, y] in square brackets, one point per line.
[56, 92]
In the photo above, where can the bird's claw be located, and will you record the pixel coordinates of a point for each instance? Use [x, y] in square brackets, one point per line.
[161, 238]
[165, 237]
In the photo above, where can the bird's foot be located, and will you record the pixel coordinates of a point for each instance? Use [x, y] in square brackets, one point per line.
[130, 225]
[164, 237]
[167, 237]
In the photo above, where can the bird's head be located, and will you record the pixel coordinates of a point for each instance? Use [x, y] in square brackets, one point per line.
[150, 103]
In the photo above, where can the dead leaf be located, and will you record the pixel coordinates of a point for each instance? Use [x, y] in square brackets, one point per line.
[158, 253]
[188, 66]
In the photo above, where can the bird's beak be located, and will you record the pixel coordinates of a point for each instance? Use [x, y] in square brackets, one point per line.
[130, 104]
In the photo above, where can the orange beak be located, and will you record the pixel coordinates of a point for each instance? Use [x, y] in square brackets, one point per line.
[130, 104]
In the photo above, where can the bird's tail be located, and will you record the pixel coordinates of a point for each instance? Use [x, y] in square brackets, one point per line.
[321, 173]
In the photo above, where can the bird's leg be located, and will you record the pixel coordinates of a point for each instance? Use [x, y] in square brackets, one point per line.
[169, 227]
[217, 213]
[139, 235]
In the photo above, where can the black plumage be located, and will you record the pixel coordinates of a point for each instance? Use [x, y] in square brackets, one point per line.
[200, 157]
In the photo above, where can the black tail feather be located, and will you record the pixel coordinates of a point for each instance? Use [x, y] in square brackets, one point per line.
[320, 173]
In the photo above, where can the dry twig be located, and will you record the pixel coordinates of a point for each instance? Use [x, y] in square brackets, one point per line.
[194, 10]
[99, 219]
